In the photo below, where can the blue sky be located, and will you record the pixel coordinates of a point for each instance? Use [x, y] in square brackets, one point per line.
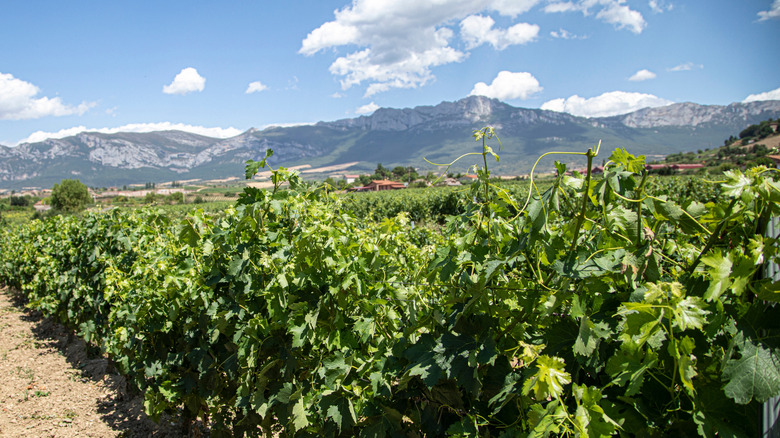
[220, 68]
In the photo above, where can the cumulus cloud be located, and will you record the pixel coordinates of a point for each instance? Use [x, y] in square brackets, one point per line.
[476, 30]
[686, 67]
[398, 43]
[187, 81]
[769, 95]
[508, 85]
[255, 87]
[135, 127]
[642, 75]
[18, 101]
[611, 11]
[367, 109]
[608, 104]
[773, 12]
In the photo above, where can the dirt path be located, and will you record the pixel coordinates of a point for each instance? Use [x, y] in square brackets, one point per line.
[51, 387]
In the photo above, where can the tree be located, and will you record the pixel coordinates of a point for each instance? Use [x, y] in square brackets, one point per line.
[70, 196]
[19, 201]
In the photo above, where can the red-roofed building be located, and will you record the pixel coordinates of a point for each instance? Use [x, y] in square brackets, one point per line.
[377, 185]
[674, 166]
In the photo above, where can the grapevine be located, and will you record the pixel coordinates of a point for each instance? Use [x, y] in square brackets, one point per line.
[613, 305]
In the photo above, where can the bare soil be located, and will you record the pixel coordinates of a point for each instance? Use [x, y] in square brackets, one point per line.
[51, 387]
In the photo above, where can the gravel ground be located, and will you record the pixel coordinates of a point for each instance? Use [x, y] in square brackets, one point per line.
[51, 387]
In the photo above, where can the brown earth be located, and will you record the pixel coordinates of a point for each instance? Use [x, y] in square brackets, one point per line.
[51, 387]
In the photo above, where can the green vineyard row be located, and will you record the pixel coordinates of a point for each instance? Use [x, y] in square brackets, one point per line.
[618, 305]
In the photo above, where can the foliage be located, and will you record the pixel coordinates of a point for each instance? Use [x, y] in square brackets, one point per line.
[761, 130]
[70, 196]
[614, 306]
[20, 201]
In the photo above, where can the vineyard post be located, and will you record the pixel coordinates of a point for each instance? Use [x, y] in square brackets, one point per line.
[771, 411]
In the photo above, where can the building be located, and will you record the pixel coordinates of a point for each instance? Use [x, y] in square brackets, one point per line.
[351, 178]
[674, 166]
[377, 185]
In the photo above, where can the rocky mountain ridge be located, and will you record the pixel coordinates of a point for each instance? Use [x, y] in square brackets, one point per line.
[691, 114]
[391, 136]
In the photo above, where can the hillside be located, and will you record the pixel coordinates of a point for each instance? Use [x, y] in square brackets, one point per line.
[390, 136]
[758, 144]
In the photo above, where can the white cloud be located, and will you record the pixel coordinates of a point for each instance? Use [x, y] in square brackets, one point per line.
[659, 6]
[773, 12]
[135, 127]
[566, 35]
[769, 95]
[476, 30]
[187, 81]
[255, 87]
[397, 43]
[18, 101]
[337, 95]
[508, 85]
[367, 109]
[513, 8]
[623, 17]
[642, 75]
[686, 67]
[608, 104]
[611, 11]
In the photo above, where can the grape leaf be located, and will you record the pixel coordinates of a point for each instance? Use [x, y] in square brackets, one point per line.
[719, 274]
[755, 375]
[549, 379]
[589, 336]
[299, 415]
[689, 314]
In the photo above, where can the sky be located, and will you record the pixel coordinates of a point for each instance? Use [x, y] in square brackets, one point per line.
[220, 68]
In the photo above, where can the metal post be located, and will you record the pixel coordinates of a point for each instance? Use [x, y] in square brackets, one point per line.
[771, 412]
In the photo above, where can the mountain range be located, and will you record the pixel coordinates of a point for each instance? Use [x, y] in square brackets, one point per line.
[389, 136]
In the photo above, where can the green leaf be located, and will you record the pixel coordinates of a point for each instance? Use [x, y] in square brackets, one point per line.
[253, 166]
[688, 313]
[590, 416]
[549, 379]
[544, 421]
[632, 163]
[589, 336]
[755, 375]
[628, 367]
[768, 290]
[685, 362]
[299, 415]
[642, 324]
[736, 183]
[333, 369]
[720, 269]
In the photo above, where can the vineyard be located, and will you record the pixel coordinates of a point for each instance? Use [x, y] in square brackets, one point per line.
[618, 305]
